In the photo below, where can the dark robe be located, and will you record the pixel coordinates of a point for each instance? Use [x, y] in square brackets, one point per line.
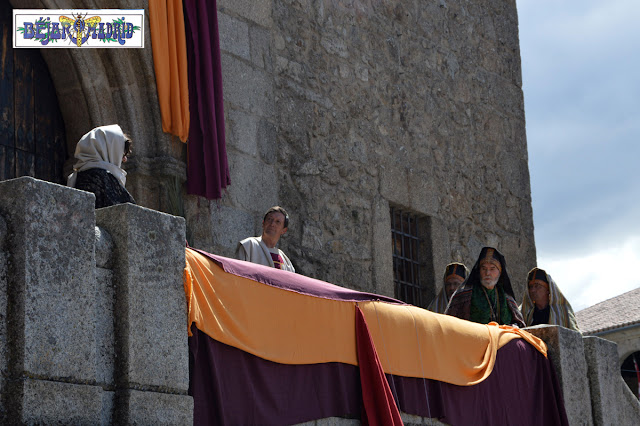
[541, 316]
[460, 303]
[105, 186]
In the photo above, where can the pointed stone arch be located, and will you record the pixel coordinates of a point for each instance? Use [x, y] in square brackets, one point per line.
[106, 86]
[629, 372]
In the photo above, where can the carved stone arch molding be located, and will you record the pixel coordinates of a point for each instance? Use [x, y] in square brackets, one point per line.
[630, 349]
[628, 367]
[106, 86]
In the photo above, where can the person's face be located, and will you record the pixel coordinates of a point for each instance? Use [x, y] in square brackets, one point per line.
[538, 293]
[126, 154]
[451, 284]
[273, 225]
[489, 274]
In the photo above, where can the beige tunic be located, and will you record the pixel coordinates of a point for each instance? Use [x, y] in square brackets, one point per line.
[253, 249]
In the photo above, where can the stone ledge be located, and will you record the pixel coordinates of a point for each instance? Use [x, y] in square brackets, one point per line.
[153, 408]
[104, 248]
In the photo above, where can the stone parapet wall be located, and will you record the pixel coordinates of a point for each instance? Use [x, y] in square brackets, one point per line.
[93, 324]
[93, 320]
[589, 375]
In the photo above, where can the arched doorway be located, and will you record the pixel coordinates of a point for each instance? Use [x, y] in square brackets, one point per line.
[630, 371]
[32, 137]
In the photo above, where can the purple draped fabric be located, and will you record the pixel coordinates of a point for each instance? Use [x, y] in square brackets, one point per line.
[522, 389]
[207, 167]
[230, 386]
[378, 402]
[293, 282]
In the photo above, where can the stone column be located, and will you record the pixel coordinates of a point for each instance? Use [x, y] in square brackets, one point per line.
[51, 350]
[382, 248]
[604, 377]
[152, 359]
[567, 354]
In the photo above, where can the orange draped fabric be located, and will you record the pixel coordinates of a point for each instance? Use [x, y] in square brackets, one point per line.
[166, 20]
[292, 328]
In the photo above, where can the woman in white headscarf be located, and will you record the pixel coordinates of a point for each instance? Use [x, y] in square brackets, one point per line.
[544, 303]
[100, 154]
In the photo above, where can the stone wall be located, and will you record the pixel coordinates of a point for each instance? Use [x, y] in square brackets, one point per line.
[97, 87]
[93, 326]
[336, 110]
[627, 338]
[339, 110]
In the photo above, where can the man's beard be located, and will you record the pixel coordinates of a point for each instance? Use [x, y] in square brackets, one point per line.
[489, 283]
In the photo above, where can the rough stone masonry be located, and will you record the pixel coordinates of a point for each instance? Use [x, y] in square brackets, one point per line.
[339, 110]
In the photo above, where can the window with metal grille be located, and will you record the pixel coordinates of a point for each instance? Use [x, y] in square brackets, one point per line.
[407, 264]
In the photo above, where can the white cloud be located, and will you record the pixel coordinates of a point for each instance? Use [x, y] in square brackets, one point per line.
[598, 276]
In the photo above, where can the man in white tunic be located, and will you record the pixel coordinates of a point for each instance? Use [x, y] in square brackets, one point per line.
[262, 250]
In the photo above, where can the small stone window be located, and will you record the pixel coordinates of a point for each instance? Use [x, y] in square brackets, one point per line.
[408, 256]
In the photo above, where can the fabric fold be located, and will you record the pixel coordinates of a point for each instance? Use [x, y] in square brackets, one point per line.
[379, 405]
[207, 164]
[166, 21]
[294, 327]
[230, 386]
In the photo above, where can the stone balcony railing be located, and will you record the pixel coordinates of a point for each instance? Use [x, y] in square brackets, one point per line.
[93, 320]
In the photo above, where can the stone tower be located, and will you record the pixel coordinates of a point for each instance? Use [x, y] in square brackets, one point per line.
[341, 112]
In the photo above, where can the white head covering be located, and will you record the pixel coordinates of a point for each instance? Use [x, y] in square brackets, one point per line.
[101, 148]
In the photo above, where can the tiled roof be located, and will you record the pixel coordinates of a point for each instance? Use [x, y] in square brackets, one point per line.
[619, 311]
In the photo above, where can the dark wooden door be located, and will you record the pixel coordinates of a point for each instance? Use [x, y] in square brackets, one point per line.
[32, 139]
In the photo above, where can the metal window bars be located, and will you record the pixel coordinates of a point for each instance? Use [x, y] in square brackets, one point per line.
[406, 256]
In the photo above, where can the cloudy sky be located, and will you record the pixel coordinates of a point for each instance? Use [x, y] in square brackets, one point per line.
[581, 82]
